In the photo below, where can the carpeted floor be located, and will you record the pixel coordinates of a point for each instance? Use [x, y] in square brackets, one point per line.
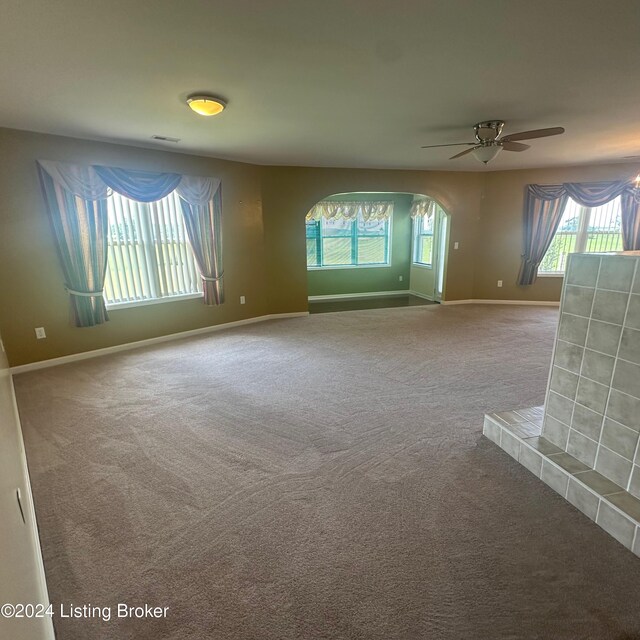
[317, 478]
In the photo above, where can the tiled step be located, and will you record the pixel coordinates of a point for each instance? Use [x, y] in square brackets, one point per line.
[608, 505]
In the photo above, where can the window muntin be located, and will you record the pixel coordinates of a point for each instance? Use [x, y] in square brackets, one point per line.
[583, 230]
[149, 256]
[423, 230]
[347, 243]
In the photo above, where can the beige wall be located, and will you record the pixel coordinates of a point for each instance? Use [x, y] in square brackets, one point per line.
[264, 238]
[501, 232]
[289, 192]
[31, 281]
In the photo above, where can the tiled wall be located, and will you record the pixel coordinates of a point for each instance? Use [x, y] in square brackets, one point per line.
[593, 401]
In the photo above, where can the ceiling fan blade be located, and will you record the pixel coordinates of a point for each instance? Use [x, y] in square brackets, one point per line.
[530, 135]
[453, 144]
[462, 153]
[515, 146]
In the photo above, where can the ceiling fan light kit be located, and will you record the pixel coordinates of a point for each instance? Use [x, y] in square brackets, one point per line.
[489, 144]
[486, 153]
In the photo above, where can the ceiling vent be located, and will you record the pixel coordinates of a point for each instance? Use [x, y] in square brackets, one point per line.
[165, 138]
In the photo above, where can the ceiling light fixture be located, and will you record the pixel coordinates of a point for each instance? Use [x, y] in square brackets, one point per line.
[487, 152]
[206, 105]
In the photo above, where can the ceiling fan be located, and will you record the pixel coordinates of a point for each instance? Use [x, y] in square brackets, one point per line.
[489, 144]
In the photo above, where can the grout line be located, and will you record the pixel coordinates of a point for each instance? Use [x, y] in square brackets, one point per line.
[613, 375]
[619, 424]
[614, 324]
[602, 353]
[586, 286]
[635, 456]
[624, 393]
[553, 357]
[573, 408]
[602, 384]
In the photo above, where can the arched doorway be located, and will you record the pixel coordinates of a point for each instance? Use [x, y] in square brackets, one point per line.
[368, 244]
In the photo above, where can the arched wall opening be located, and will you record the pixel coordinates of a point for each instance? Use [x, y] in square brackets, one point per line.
[376, 244]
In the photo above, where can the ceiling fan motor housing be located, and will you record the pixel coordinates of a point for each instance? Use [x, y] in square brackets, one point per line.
[487, 132]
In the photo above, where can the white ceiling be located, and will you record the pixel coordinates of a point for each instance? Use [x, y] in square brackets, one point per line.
[357, 83]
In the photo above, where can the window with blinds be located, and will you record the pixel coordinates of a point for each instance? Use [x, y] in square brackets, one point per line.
[347, 243]
[149, 254]
[583, 230]
[423, 227]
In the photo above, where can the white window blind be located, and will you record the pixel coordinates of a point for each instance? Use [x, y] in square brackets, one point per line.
[351, 243]
[423, 227]
[149, 254]
[584, 230]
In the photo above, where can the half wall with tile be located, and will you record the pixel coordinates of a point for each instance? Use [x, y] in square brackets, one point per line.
[593, 400]
[584, 443]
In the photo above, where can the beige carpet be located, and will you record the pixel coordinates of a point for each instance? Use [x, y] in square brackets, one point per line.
[317, 478]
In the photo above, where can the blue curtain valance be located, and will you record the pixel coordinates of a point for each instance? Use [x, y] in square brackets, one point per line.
[143, 186]
[544, 205]
[96, 182]
[588, 194]
[76, 197]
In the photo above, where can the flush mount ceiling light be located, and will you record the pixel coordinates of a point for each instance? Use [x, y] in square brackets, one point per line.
[206, 105]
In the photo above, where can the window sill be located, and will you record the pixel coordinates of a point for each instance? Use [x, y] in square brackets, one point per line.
[353, 266]
[144, 303]
[551, 275]
[422, 265]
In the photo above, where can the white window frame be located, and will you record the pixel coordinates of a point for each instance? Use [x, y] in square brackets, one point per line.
[120, 252]
[414, 239]
[372, 265]
[582, 237]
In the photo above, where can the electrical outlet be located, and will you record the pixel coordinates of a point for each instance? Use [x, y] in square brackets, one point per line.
[40, 333]
[400, 278]
[499, 283]
[242, 300]
[455, 245]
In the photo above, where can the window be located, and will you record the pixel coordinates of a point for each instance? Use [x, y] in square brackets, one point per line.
[339, 242]
[583, 230]
[423, 238]
[149, 255]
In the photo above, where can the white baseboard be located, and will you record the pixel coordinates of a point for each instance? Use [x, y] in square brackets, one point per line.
[535, 303]
[85, 355]
[368, 294]
[424, 296]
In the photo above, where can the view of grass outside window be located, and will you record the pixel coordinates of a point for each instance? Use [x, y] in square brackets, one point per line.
[149, 256]
[423, 227]
[347, 243]
[583, 230]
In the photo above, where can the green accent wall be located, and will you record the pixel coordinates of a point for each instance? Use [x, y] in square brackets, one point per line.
[423, 280]
[336, 281]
